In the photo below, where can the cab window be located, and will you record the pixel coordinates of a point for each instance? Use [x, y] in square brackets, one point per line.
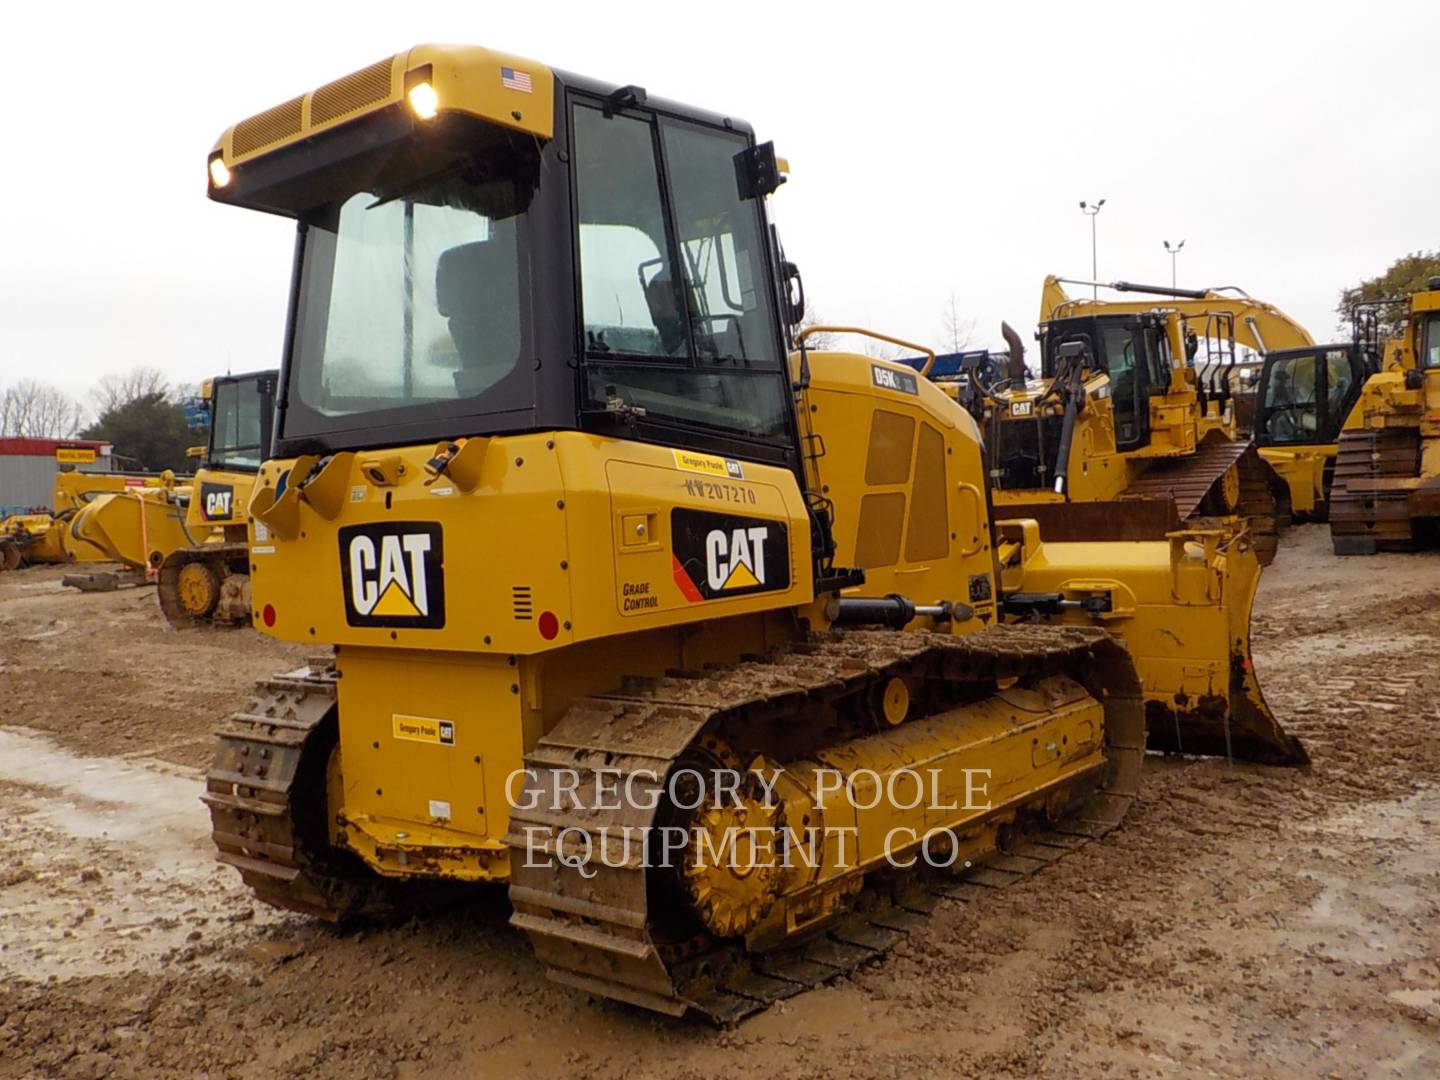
[721, 246]
[1120, 349]
[1431, 356]
[1339, 378]
[1292, 411]
[678, 319]
[630, 293]
[1160, 362]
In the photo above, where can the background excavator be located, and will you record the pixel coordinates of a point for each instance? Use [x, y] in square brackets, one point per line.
[1385, 495]
[1131, 432]
[1302, 400]
[585, 532]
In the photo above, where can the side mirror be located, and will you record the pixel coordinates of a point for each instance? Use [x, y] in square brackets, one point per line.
[757, 172]
[195, 451]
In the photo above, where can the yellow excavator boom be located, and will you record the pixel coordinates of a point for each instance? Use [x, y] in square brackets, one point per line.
[1258, 325]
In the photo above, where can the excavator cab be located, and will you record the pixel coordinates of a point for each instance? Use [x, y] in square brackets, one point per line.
[1305, 394]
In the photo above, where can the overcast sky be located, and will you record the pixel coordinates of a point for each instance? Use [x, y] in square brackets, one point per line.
[934, 148]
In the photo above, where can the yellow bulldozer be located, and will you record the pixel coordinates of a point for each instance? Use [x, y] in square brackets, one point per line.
[1385, 493]
[209, 582]
[188, 535]
[1132, 430]
[709, 649]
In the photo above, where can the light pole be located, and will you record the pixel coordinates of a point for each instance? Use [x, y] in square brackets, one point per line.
[1174, 251]
[1092, 210]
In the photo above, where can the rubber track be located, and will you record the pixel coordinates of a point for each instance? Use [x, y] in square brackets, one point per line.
[597, 934]
[1364, 522]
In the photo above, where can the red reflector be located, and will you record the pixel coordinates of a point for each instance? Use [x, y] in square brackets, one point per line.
[268, 614]
[549, 625]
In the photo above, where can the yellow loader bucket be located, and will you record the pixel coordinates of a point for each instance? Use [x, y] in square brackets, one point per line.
[1182, 606]
[135, 528]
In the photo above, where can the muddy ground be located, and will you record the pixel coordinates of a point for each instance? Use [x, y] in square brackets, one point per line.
[1245, 921]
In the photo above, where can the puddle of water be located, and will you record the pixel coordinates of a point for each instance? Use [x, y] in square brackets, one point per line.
[149, 804]
[108, 864]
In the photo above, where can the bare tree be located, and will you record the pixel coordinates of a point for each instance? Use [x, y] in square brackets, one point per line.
[822, 339]
[957, 330]
[35, 410]
[883, 350]
[115, 391]
[867, 346]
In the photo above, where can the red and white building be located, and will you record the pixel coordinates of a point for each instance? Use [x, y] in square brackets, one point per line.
[28, 468]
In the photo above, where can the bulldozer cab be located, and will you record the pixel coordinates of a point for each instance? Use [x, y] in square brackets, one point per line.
[1133, 350]
[1430, 349]
[242, 412]
[1305, 394]
[458, 275]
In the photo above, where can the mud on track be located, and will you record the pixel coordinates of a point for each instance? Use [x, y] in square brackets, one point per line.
[1244, 922]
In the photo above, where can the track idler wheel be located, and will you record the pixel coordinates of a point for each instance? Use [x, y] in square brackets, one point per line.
[197, 589]
[189, 590]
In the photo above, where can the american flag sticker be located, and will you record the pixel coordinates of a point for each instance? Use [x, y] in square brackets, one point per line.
[516, 80]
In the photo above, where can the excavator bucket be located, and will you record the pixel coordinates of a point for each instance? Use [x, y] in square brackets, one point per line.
[1182, 606]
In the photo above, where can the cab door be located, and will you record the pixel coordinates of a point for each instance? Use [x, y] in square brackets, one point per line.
[1342, 378]
[1128, 361]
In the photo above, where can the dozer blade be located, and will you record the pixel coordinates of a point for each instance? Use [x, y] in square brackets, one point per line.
[1182, 607]
[1178, 493]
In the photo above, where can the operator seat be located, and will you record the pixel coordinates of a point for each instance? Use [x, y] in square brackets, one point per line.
[663, 300]
[477, 290]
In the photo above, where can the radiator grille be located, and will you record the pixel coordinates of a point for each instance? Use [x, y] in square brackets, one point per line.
[1027, 452]
[267, 127]
[354, 91]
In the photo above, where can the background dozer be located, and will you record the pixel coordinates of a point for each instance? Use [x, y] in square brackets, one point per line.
[583, 535]
[1130, 432]
[187, 535]
[1385, 495]
[1182, 604]
[210, 581]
